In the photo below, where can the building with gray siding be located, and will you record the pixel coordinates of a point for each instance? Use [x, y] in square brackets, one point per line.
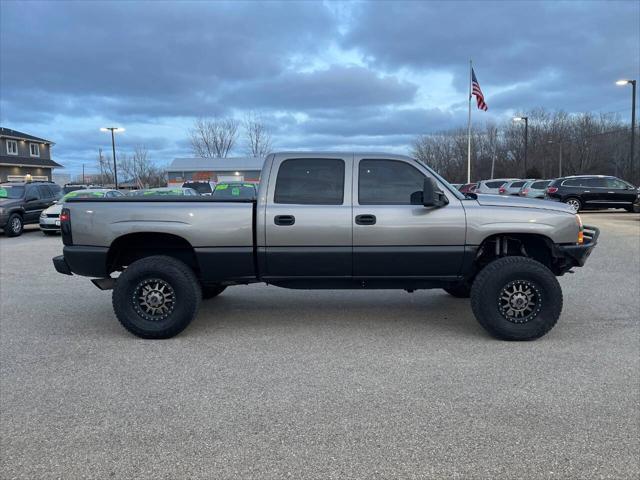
[25, 157]
[215, 170]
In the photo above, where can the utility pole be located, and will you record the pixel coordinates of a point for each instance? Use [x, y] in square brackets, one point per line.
[633, 128]
[101, 168]
[83, 182]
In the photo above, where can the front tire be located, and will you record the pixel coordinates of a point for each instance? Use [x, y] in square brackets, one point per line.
[516, 298]
[574, 203]
[14, 226]
[156, 297]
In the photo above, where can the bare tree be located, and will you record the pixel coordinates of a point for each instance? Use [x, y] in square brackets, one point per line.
[213, 138]
[139, 168]
[257, 136]
[105, 166]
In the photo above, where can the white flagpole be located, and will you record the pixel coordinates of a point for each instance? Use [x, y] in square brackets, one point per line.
[469, 129]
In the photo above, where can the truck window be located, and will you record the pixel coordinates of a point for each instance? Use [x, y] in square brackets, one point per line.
[310, 181]
[387, 182]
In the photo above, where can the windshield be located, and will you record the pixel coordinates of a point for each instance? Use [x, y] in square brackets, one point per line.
[233, 191]
[200, 187]
[83, 194]
[11, 191]
[164, 191]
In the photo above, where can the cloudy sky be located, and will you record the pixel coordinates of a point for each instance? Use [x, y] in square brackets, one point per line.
[323, 75]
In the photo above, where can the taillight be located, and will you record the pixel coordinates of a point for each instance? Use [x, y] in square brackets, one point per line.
[524, 193]
[552, 189]
[501, 190]
[65, 226]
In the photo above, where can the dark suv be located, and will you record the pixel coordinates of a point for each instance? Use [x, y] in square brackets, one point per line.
[592, 191]
[22, 204]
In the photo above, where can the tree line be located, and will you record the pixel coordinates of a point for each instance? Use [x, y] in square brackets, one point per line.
[558, 143]
[136, 167]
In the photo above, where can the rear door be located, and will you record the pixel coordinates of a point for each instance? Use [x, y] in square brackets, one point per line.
[391, 237]
[34, 204]
[308, 217]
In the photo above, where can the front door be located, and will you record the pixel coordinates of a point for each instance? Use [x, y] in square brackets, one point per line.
[619, 194]
[308, 217]
[392, 237]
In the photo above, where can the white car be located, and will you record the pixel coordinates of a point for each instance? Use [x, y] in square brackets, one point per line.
[492, 186]
[50, 218]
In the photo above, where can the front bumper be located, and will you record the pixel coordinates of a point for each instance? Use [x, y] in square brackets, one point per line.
[577, 255]
[49, 223]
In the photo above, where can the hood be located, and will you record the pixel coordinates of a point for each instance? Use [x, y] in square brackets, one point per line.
[522, 202]
[8, 202]
[54, 209]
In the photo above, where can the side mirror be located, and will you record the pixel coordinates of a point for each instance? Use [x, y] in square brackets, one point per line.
[432, 196]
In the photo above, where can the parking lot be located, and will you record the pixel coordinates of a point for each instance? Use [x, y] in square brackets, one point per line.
[274, 383]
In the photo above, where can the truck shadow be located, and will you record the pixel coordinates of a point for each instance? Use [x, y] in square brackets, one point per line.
[274, 308]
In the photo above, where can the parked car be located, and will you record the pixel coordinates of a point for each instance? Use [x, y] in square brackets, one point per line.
[534, 188]
[231, 190]
[636, 205]
[22, 203]
[583, 192]
[468, 188]
[168, 191]
[70, 187]
[492, 186]
[50, 218]
[203, 188]
[329, 220]
[512, 188]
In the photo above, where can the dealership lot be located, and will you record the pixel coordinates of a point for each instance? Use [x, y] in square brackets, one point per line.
[273, 383]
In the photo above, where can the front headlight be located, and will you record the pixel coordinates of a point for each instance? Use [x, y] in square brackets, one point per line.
[580, 230]
[43, 215]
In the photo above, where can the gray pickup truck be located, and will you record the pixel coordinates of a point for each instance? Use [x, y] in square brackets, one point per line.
[329, 220]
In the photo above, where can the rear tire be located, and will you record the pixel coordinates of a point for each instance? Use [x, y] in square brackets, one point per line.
[211, 291]
[14, 226]
[461, 290]
[156, 297]
[574, 203]
[516, 298]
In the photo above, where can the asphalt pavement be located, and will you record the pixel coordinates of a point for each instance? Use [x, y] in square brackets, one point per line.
[273, 383]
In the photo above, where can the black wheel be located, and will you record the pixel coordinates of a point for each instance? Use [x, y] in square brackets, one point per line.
[630, 209]
[14, 226]
[459, 291]
[210, 291]
[49, 232]
[156, 297]
[516, 298]
[574, 203]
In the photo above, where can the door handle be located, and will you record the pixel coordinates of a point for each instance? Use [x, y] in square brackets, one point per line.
[284, 220]
[366, 219]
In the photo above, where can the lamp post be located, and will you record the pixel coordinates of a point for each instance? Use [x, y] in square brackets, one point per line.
[633, 120]
[526, 138]
[113, 147]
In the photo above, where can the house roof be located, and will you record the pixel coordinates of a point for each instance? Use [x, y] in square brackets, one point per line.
[6, 160]
[216, 164]
[9, 133]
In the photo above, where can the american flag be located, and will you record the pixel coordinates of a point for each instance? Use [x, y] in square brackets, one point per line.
[475, 88]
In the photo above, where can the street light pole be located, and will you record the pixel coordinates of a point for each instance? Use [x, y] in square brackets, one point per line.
[113, 148]
[633, 124]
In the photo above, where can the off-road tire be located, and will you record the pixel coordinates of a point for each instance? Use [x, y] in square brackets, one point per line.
[574, 199]
[461, 290]
[487, 291]
[14, 226]
[211, 291]
[181, 280]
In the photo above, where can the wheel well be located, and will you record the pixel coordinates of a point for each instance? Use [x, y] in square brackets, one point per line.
[131, 247]
[537, 247]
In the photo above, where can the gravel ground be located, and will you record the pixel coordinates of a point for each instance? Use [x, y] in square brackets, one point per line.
[273, 383]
